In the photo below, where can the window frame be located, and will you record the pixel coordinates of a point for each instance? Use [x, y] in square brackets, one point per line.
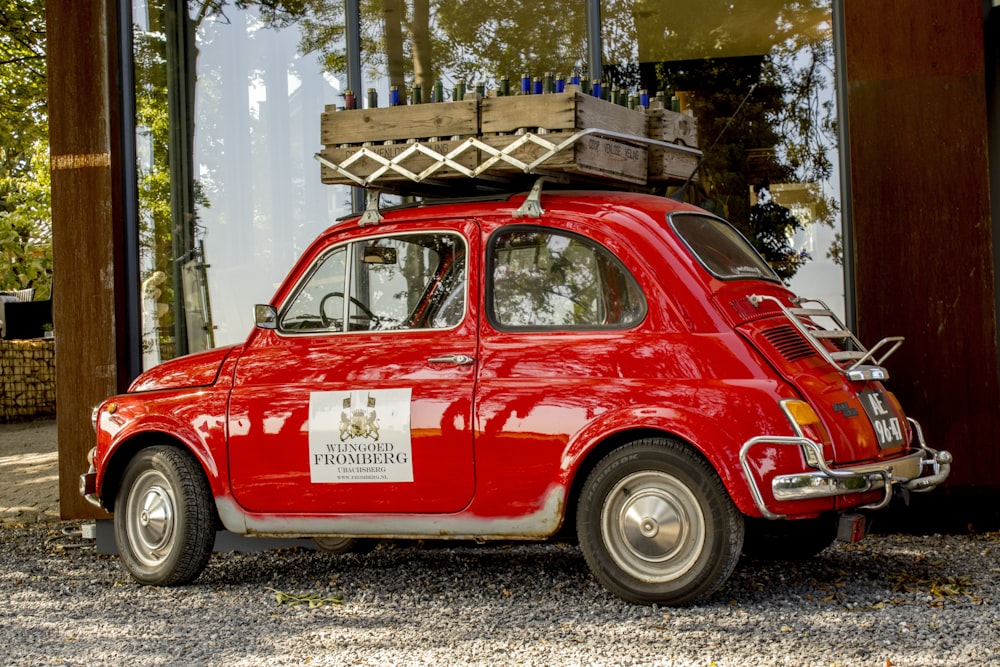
[350, 247]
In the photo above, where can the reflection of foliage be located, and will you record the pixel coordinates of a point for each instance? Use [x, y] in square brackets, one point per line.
[25, 208]
[153, 123]
[543, 279]
[159, 158]
[806, 123]
[836, 251]
[771, 227]
[785, 131]
[485, 40]
[420, 41]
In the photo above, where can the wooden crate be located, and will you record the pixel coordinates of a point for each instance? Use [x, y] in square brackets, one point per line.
[416, 163]
[555, 117]
[498, 122]
[443, 120]
[666, 164]
[672, 127]
[671, 164]
[389, 131]
[557, 111]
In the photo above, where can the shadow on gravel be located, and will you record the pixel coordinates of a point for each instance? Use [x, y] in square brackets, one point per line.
[858, 574]
[424, 567]
[910, 597]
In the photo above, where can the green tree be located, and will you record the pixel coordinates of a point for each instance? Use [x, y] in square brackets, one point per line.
[25, 210]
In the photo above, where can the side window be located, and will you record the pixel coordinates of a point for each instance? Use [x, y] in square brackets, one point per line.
[307, 311]
[409, 281]
[551, 279]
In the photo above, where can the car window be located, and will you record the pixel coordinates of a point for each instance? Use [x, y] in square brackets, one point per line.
[720, 248]
[410, 281]
[552, 279]
[326, 279]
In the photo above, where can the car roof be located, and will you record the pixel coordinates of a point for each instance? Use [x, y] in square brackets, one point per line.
[564, 201]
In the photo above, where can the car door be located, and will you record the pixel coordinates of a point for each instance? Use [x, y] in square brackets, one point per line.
[363, 404]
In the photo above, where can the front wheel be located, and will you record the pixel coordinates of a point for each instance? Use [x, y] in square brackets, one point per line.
[656, 525]
[164, 526]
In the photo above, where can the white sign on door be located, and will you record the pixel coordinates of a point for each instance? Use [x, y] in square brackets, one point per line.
[360, 436]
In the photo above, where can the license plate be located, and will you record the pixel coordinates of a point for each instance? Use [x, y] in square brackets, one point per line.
[887, 425]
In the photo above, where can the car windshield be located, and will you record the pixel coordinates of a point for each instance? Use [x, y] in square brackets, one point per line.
[720, 248]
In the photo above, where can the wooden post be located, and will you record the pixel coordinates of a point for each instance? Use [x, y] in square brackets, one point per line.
[86, 229]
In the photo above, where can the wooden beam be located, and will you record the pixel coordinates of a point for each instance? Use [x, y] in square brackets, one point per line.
[84, 231]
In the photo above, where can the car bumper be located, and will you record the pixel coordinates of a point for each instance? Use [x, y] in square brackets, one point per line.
[920, 469]
[88, 480]
[88, 487]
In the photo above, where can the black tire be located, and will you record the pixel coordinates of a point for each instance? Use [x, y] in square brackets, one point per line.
[656, 525]
[164, 520]
[345, 545]
[788, 540]
[335, 545]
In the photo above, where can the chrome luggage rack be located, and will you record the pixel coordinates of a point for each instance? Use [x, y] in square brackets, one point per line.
[851, 358]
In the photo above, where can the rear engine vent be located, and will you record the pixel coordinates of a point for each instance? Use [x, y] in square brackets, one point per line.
[746, 311]
[789, 342]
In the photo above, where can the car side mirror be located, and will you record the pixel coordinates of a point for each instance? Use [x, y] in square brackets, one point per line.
[265, 316]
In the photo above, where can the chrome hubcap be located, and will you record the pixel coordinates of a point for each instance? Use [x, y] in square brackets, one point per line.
[653, 526]
[151, 519]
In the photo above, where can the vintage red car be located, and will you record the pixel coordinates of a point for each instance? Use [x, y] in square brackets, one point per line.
[618, 367]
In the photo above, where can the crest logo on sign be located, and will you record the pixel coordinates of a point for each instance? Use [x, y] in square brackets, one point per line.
[358, 422]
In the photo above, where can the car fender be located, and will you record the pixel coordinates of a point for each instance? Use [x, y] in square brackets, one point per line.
[127, 426]
[716, 435]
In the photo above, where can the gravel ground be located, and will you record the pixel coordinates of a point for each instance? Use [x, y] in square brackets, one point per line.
[889, 600]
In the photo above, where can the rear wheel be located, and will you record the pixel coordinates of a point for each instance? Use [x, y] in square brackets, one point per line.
[164, 526]
[656, 525]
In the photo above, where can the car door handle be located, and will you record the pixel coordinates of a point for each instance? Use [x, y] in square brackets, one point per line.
[457, 359]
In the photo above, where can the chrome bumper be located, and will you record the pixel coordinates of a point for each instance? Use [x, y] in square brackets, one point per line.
[88, 487]
[824, 482]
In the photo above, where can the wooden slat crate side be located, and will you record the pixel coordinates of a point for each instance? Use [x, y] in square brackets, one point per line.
[672, 127]
[558, 111]
[614, 159]
[591, 156]
[417, 121]
[666, 164]
[365, 167]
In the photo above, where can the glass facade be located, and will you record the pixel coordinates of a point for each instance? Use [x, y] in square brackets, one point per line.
[229, 96]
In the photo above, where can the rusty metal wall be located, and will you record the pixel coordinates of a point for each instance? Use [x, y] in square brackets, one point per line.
[921, 212]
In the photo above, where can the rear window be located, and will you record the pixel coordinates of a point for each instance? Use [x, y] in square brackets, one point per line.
[720, 248]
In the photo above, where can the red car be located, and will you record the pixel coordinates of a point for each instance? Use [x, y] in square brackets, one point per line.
[617, 367]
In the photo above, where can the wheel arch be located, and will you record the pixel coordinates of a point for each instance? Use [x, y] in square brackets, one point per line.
[586, 459]
[128, 448]
[586, 464]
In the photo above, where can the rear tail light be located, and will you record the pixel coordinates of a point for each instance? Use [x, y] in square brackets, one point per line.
[807, 424]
